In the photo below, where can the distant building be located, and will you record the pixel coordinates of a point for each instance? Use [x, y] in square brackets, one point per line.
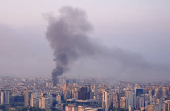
[131, 108]
[4, 97]
[34, 100]
[94, 109]
[71, 81]
[106, 99]
[45, 102]
[151, 92]
[83, 93]
[139, 92]
[123, 102]
[129, 96]
[27, 97]
[164, 92]
[71, 107]
[58, 99]
[153, 107]
[139, 101]
[116, 100]
[166, 106]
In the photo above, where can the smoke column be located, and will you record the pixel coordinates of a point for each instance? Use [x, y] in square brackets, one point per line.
[68, 36]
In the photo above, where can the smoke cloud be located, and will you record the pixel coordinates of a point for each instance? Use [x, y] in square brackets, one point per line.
[68, 35]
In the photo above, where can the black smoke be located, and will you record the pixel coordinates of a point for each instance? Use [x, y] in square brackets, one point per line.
[68, 33]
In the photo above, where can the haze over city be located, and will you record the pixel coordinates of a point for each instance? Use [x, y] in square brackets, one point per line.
[130, 38]
[85, 55]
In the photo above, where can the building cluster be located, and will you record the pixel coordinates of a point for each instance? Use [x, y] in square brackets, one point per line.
[77, 94]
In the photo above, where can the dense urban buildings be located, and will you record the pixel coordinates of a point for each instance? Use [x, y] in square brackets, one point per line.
[78, 94]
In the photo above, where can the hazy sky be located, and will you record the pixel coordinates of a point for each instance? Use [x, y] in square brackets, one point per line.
[142, 27]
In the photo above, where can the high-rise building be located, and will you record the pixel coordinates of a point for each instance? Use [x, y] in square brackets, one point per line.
[106, 99]
[45, 102]
[123, 103]
[4, 97]
[94, 90]
[116, 100]
[34, 100]
[129, 96]
[166, 106]
[27, 97]
[164, 92]
[139, 101]
[83, 93]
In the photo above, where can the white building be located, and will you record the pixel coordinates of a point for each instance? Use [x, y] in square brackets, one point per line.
[129, 95]
[106, 99]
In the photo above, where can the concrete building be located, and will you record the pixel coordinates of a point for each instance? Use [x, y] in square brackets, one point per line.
[4, 97]
[84, 93]
[106, 99]
[131, 108]
[129, 96]
[139, 101]
[153, 107]
[27, 97]
[81, 108]
[34, 100]
[123, 103]
[164, 92]
[45, 102]
[71, 107]
[58, 99]
[116, 100]
[166, 106]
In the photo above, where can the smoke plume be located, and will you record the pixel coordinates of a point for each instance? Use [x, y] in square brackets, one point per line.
[68, 36]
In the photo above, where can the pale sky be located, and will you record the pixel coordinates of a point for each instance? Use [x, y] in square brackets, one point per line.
[140, 26]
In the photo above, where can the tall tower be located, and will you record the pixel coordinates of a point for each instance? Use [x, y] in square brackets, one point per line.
[27, 97]
[106, 99]
[4, 97]
[129, 96]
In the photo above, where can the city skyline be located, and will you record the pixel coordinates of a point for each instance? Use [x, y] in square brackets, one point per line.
[82, 94]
